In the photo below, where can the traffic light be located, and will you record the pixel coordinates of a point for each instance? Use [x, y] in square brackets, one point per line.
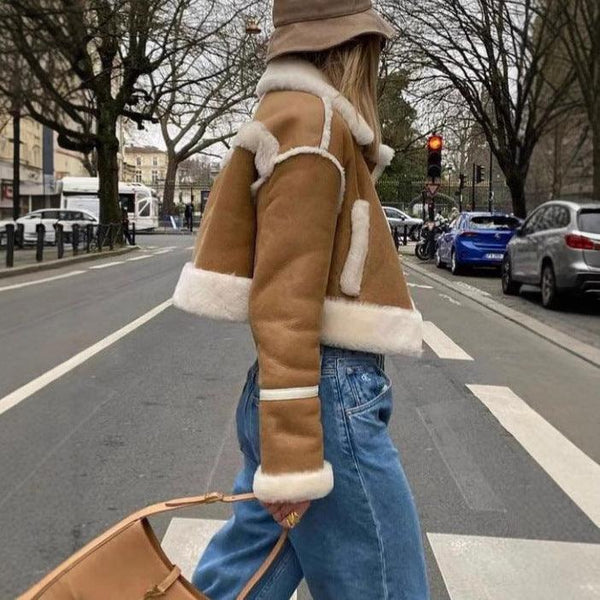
[434, 156]
[479, 172]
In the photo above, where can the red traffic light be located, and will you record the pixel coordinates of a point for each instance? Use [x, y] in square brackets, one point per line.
[435, 143]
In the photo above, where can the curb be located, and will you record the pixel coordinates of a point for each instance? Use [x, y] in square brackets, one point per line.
[61, 262]
[580, 349]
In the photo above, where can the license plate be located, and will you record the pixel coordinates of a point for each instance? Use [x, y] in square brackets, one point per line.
[494, 256]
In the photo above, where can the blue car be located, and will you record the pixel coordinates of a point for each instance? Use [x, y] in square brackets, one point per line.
[475, 239]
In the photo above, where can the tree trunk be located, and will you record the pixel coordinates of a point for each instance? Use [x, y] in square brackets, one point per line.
[596, 160]
[108, 168]
[168, 198]
[516, 184]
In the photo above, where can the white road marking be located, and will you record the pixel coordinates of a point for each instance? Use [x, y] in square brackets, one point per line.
[571, 469]
[488, 568]
[15, 286]
[190, 247]
[141, 257]
[472, 288]
[110, 264]
[163, 251]
[48, 377]
[441, 344]
[186, 539]
[450, 299]
[421, 287]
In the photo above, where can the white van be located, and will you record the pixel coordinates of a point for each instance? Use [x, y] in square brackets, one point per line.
[82, 193]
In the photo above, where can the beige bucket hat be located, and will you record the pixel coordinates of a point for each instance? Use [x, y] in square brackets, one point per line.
[313, 25]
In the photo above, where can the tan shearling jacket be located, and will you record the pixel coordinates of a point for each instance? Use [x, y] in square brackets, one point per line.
[295, 241]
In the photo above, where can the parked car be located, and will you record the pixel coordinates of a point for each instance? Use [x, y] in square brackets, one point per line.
[49, 217]
[475, 239]
[558, 249]
[398, 218]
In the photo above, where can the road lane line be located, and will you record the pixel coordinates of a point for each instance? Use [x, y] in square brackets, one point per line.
[441, 344]
[110, 264]
[419, 286]
[140, 257]
[190, 247]
[570, 468]
[186, 539]
[48, 377]
[163, 251]
[490, 568]
[450, 299]
[46, 279]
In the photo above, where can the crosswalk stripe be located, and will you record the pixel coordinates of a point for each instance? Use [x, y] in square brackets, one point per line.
[441, 344]
[571, 469]
[186, 539]
[110, 264]
[489, 568]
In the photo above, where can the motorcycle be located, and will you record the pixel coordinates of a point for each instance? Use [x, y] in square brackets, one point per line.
[432, 230]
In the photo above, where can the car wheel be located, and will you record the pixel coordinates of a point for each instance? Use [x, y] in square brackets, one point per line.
[438, 260]
[455, 266]
[550, 295]
[510, 287]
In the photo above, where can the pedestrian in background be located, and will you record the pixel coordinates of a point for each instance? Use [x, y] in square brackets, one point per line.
[189, 215]
[295, 241]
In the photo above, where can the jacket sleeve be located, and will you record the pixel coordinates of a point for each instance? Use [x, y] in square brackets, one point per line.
[296, 222]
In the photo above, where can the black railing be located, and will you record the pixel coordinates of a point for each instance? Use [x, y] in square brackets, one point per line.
[88, 239]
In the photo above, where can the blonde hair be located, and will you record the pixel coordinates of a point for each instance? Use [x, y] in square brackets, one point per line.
[353, 69]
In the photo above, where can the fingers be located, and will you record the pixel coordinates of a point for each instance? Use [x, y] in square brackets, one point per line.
[282, 510]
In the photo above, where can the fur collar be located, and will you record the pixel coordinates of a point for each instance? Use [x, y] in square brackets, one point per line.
[296, 74]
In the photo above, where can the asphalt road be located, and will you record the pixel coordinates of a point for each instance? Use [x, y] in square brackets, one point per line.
[497, 428]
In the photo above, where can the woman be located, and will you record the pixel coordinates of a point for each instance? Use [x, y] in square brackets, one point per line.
[294, 240]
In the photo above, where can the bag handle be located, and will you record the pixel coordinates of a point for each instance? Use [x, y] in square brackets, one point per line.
[148, 511]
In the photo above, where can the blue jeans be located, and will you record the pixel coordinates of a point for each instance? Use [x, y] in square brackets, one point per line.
[363, 540]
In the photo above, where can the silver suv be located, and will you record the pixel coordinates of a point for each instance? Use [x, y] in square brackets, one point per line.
[556, 248]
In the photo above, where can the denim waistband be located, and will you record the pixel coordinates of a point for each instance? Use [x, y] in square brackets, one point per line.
[331, 357]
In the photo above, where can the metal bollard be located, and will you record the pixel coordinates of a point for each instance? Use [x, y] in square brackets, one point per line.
[75, 238]
[396, 237]
[89, 230]
[20, 236]
[111, 231]
[100, 236]
[133, 234]
[60, 239]
[10, 245]
[405, 236]
[40, 230]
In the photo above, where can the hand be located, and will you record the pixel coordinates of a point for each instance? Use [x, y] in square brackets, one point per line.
[280, 510]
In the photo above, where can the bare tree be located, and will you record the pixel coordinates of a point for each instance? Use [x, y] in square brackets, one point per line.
[494, 53]
[90, 64]
[207, 89]
[576, 23]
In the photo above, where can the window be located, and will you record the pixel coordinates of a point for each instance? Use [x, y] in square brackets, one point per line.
[138, 161]
[494, 222]
[589, 221]
[155, 161]
[50, 214]
[138, 176]
[144, 208]
[555, 217]
[154, 177]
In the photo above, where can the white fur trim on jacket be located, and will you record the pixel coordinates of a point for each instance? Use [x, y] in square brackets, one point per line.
[386, 155]
[293, 487]
[256, 138]
[371, 327]
[288, 73]
[212, 294]
[346, 323]
[352, 273]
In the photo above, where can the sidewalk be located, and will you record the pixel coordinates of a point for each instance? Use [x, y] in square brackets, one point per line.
[24, 260]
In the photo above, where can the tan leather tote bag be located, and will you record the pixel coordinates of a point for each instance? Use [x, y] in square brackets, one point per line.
[127, 563]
